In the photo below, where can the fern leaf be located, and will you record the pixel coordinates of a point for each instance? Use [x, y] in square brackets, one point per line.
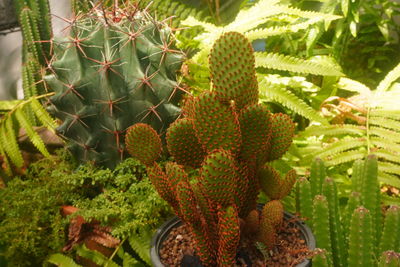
[385, 133]
[191, 21]
[248, 19]
[289, 100]
[392, 76]
[6, 162]
[395, 114]
[389, 167]
[95, 256]
[384, 143]
[9, 141]
[388, 155]
[62, 261]
[42, 115]
[32, 134]
[388, 200]
[272, 31]
[385, 122]
[333, 130]
[388, 179]
[347, 156]
[140, 243]
[293, 64]
[353, 86]
[340, 146]
[6, 105]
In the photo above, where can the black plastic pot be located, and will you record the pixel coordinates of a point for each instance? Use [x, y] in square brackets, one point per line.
[165, 229]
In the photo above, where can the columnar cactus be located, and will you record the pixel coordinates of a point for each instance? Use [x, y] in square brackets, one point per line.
[118, 67]
[355, 237]
[228, 138]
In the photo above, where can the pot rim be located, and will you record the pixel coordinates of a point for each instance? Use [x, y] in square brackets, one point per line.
[163, 231]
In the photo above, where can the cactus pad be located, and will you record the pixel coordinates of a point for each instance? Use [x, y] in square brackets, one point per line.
[183, 144]
[143, 143]
[216, 124]
[220, 178]
[232, 70]
[273, 185]
[229, 233]
[255, 126]
[282, 135]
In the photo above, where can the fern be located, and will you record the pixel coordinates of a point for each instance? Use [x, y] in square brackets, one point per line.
[248, 20]
[139, 243]
[343, 143]
[392, 76]
[62, 260]
[270, 91]
[293, 64]
[17, 118]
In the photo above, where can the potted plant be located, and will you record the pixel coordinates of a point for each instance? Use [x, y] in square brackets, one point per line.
[221, 147]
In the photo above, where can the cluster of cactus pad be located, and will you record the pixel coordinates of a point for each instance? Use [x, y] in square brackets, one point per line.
[116, 68]
[221, 146]
[357, 236]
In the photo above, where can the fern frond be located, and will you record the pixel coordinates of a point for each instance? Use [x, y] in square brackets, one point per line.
[333, 130]
[61, 260]
[256, 15]
[9, 142]
[341, 146]
[34, 137]
[385, 133]
[192, 21]
[395, 114]
[140, 243]
[347, 156]
[43, 116]
[385, 122]
[388, 179]
[283, 96]
[353, 86]
[293, 64]
[384, 143]
[392, 76]
[389, 167]
[6, 105]
[277, 30]
[6, 162]
[95, 256]
[388, 200]
[388, 155]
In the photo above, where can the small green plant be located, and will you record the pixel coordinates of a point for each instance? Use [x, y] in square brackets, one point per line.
[355, 235]
[117, 67]
[228, 138]
[31, 225]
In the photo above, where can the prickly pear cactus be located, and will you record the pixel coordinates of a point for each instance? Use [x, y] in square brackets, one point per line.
[228, 138]
[116, 68]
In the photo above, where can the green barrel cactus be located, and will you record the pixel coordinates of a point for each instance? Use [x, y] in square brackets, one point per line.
[224, 142]
[116, 68]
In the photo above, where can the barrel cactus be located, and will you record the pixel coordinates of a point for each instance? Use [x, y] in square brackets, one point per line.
[117, 67]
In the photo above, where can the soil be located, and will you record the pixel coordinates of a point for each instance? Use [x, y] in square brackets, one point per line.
[290, 249]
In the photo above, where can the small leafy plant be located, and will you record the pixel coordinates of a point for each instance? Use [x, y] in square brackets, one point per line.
[221, 147]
